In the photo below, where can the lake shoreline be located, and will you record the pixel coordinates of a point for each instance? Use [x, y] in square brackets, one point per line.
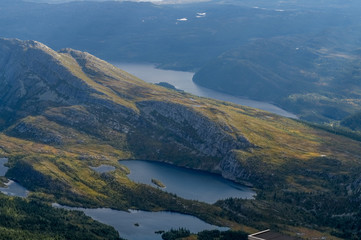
[195, 184]
[143, 225]
[215, 174]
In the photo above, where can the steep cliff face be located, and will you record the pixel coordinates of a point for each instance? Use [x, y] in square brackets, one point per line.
[209, 138]
[232, 169]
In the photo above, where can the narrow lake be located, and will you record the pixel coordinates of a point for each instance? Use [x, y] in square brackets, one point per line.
[186, 183]
[12, 188]
[141, 225]
[183, 81]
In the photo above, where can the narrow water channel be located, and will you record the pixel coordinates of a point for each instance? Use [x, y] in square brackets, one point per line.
[183, 81]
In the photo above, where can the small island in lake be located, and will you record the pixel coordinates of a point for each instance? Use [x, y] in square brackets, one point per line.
[158, 183]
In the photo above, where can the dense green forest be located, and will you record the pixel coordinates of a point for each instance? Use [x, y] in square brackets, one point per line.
[205, 235]
[33, 220]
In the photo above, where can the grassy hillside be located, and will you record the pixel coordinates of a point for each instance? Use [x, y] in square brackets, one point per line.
[89, 113]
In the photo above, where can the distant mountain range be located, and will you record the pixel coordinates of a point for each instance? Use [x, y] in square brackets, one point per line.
[144, 32]
[64, 111]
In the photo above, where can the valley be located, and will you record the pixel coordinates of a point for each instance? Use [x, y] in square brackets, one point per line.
[90, 113]
[124, 119]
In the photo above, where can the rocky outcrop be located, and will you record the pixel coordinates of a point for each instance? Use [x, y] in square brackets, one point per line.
[27, 130]
[208, 137]
[98, 121]
[232, 169]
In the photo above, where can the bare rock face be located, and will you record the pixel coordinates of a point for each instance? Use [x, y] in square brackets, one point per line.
[31, 131]
[208, 137]
[231, 168]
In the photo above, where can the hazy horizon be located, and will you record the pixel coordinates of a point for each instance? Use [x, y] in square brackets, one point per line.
[155, 1]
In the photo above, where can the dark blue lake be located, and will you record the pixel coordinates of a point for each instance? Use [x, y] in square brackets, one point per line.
[186, 183]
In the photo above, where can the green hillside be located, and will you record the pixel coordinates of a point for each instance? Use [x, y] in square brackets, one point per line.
[23, 219]
[63, 112]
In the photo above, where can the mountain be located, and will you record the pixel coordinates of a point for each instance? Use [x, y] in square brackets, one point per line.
[308, 77]
[65, 111]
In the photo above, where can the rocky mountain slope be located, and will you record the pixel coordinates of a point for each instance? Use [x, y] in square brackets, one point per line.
[62, 112]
